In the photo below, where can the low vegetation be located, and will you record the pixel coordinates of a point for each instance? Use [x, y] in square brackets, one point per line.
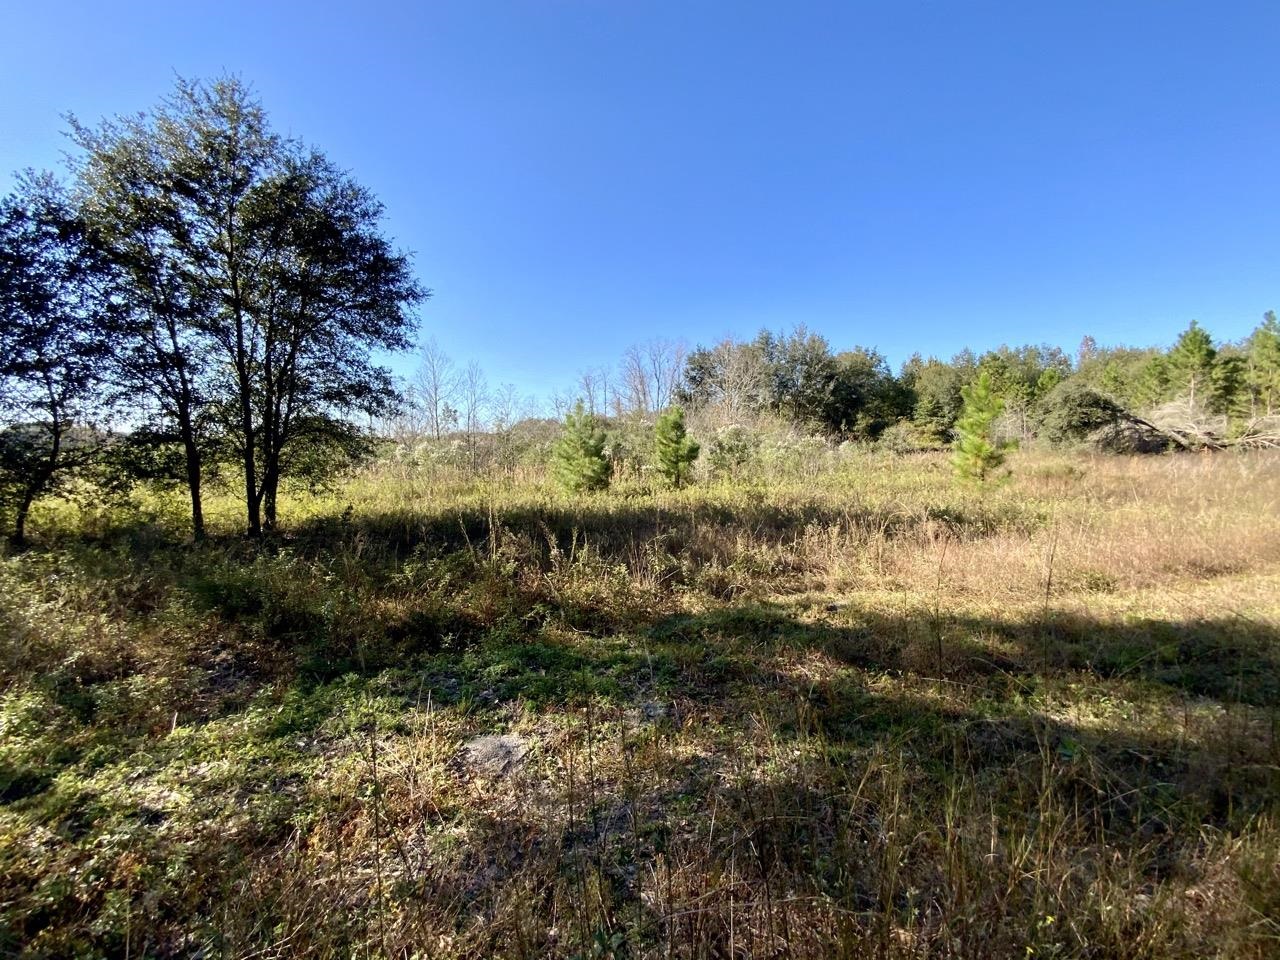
[850, 709]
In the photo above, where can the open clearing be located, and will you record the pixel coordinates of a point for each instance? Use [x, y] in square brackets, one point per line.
[847, 711]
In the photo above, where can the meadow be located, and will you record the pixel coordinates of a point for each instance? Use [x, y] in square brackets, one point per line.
[843, 708]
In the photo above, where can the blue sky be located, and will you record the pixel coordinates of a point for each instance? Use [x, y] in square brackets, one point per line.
[578, 175]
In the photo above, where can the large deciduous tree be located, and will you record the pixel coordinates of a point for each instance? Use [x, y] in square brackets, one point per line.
[326, 289]
[259, 283]
[435, 388]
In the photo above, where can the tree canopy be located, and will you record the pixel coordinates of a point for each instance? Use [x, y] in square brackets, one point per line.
[258, 283]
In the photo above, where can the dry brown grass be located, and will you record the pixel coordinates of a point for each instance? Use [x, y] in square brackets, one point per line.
[869, 714]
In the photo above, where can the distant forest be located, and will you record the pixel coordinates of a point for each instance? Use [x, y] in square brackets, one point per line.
[798, 379]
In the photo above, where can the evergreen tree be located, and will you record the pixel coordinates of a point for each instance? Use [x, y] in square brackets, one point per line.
[675, 450]
[937, 388]
[976, 454]
[578, 460]
[1151, 384]
[1262, 368]
[1191, 367]
[1047, 381]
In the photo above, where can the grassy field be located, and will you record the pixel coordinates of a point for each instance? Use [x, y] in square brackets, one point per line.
[851, 711]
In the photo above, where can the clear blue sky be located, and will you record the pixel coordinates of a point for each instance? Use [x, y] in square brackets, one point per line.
[578, 175]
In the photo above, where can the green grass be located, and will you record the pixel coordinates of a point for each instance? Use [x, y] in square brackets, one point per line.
[859, 712]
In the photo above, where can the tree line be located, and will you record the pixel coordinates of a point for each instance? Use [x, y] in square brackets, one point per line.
[853, 394]
[1199, 392]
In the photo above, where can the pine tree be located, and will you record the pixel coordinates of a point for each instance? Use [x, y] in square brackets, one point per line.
[1262, 368]
[578, 460]
[1192, 365]
[976, 454]
[675, 449]
[1149, 384]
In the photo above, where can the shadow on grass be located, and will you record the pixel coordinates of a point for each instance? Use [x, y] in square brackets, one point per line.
[613, 528]
[1233, 660]
[803, 786]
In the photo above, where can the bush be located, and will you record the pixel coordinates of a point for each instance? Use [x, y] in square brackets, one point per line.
[795, 455]
[1072, 411]
[904, 437]
[732, 449]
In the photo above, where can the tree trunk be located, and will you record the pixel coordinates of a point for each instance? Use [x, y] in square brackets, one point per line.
[242, 357]
[197, 507]
[36, 484]
[252, 495]
[270, 485]
[192, 452]
[252, 492]
[19, 536]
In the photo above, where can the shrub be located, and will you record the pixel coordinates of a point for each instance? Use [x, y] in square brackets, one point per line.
[732, 449]
[903, 437]
[1071, 411]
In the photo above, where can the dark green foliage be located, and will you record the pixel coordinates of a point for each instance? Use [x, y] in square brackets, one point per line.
[1261, 374]
[936, 387]
[1020, 376]
[258, 281]
[796, 377]
[976, 455]
[1049, 379]
[674, 450]
[1071, 411]
[578, 460]
[802, 374]
[53, 301]
[1192, 366]
[1118, 373]
[866, 397]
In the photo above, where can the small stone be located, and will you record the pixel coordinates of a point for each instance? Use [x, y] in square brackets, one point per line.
[494, 755]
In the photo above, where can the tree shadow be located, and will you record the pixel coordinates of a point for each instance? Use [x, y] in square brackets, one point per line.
[613, 527]
[1229, 659]
[791, 808]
